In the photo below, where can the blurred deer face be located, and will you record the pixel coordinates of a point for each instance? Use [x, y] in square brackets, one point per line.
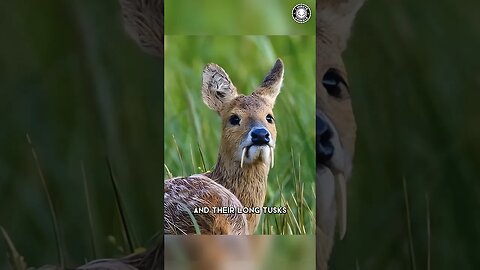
[336, 131]
[336, 127]
[248, 122]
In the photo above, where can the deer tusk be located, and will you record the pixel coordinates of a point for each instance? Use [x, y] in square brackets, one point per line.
[243, 155]
[272, 157]
[341, 199]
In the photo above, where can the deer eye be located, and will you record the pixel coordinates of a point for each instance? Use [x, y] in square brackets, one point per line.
[334, 83]
[234, 120]
[270, 118]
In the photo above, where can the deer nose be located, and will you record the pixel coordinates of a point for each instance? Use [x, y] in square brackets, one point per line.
[324, 144]
[260, 136]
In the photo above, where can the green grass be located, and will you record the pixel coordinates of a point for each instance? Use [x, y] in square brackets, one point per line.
[192, 130]
[62, 82]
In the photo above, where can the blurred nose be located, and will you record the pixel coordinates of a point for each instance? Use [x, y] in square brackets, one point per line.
[260, 136]
[324, 145]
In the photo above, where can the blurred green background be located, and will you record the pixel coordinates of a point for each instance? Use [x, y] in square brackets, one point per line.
[246, 17]
[238, 252]
[414, 70]
[190, 125]
[72, 79]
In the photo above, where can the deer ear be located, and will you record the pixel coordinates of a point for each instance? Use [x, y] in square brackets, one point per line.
[217, 88]
[335, 19]
[270, 87]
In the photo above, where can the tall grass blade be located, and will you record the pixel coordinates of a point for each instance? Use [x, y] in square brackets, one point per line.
[89, 212]
[427, 199]
[121, 210]
[194, 115]
[16, 260]
[409, 226]
[202, 157]
[192, 156]
[50, 203]
[169, 173]
[292, 215]
[192, 218]
[179, 155]
[311, 214]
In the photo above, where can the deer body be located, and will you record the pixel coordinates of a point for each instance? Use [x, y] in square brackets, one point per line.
[245, 157]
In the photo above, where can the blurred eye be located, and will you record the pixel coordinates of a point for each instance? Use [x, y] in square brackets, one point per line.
[234, 120]
[270, 118]
[334, 83]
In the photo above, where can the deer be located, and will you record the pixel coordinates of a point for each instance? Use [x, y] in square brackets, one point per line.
[246, 154]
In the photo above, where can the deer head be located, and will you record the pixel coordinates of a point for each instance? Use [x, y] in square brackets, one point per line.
[248, 137]
[248, 123]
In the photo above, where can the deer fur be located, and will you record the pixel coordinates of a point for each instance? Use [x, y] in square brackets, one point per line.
[143, 20]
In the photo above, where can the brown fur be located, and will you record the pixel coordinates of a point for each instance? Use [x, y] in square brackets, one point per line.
[143, 20]
[199, 191]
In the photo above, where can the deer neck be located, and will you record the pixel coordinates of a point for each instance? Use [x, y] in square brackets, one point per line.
[248, 184]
